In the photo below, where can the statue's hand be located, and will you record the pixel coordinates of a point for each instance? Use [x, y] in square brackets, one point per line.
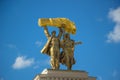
[61, 30]
[45, 27]
[62, 25]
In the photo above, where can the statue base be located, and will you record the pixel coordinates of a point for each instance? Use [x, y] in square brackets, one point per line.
[49, 74]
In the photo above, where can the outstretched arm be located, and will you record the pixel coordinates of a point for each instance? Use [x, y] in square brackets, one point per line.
[78, 43]
[60, 33]
[46, 32]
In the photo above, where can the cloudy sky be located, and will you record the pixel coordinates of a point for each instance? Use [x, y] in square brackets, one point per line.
[21, 39]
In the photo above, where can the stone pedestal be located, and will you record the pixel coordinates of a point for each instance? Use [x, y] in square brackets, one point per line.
[49, 74]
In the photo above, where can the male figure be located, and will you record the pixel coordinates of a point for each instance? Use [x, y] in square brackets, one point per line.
[67, 55]
[52, 47]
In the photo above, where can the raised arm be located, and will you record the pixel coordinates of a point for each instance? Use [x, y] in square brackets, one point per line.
[46, 32]
[60, 33]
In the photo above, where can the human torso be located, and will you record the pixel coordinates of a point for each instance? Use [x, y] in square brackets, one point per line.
[68, 47]
[55, 42]
[68, 43]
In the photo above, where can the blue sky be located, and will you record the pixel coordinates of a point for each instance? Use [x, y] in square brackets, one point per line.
[21, 39]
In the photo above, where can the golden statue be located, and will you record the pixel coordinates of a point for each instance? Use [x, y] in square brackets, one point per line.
[54, 43]
[52, 47]
[67, 55]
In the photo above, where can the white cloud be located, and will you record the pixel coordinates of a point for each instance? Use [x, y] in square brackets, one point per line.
[38, 43]
[114, 36]
[114, 14]
[22, 62]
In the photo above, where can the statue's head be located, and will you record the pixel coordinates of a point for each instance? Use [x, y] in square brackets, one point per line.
[53, 33]
[67, 36]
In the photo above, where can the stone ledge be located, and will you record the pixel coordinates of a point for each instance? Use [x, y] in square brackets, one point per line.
[49, 74]
[65, 73]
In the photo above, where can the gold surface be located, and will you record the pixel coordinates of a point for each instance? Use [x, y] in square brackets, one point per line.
[65, 23]
[54, 42]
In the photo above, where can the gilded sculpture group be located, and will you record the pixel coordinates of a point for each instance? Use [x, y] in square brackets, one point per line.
[55, 43]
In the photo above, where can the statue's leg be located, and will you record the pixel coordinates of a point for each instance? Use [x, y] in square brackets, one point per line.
[52, 63]
[57, 59]
[52, 59]
[68, 62]
[70, 67]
